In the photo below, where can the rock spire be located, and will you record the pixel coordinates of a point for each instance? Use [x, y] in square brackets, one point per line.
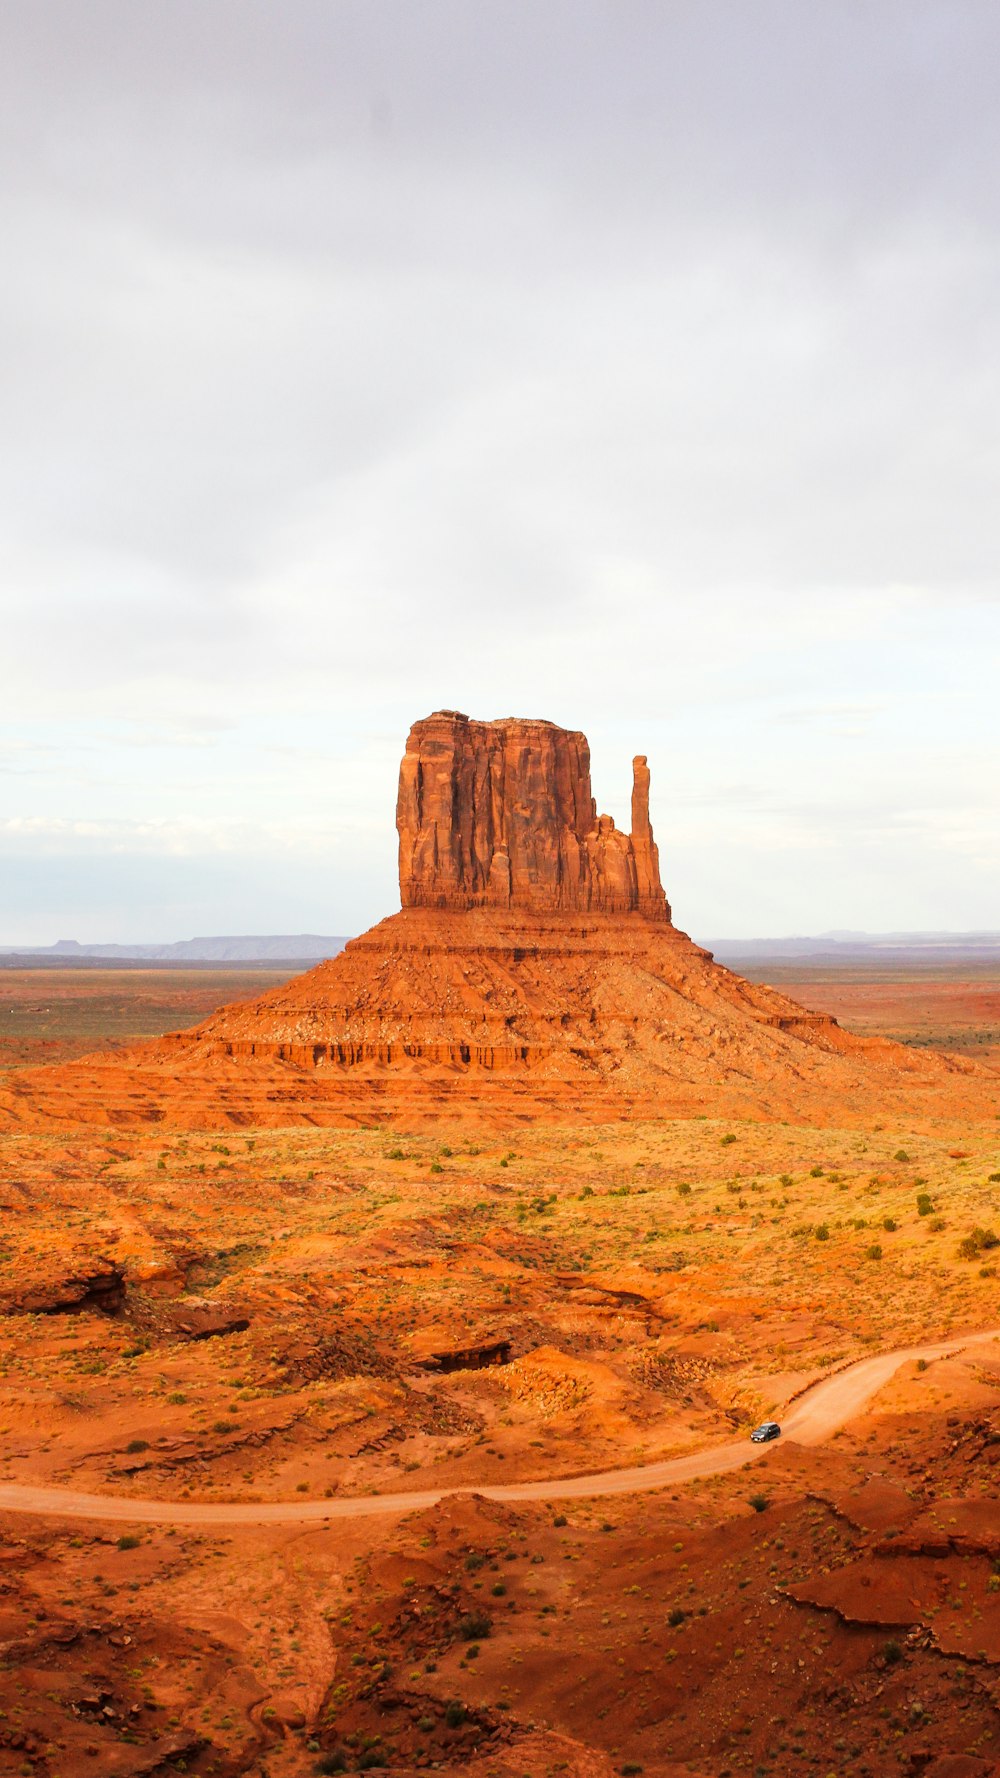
[501, 814]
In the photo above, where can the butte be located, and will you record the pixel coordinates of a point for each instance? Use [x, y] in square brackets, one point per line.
[533, 971]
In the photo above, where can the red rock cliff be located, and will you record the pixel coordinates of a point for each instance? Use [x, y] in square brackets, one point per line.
[500, 814]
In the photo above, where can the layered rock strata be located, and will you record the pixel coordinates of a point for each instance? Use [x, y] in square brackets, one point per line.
[533, 971]
[502, 815]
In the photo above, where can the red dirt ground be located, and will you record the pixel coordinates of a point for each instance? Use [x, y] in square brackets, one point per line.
[663, 1281]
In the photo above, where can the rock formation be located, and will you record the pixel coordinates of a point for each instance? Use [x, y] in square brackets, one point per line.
[501, 814]
[533, 971]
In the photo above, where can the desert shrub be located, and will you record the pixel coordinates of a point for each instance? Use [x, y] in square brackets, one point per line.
[676, 1617]
[901, 1155]
[977, 1241]
[924, 1205]
[891, 1653]
[332, 1762]
[425, 1724]
[727, 1139]
[815, 1172]
[822, 1232]
[994, 1179]
[874, 1251]
[129, 1541]
[475, 1559]
[223, 1425]
[934, 1227]
[890, 1224]
[684, 1190]
[436, 1166]
[587, 1191]
[499, 1589]
[395, 1154]
[446, 1152]
[455, 1714]
[922, 1364]
[560, 1519]
[137, 1444]
[474, 1625]
[861, 1222]
[786, 1180]
[630, 1767]
[759, 1502]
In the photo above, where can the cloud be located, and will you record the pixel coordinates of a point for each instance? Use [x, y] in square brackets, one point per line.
[636, 366]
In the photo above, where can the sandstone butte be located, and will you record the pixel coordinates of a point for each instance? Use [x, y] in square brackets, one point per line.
[533, 970]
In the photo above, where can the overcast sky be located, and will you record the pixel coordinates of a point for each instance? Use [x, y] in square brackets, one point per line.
[636, 365]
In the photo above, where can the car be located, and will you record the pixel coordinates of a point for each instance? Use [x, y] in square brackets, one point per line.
[766, 1430]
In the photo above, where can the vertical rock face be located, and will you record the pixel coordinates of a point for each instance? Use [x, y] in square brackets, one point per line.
[501, 814]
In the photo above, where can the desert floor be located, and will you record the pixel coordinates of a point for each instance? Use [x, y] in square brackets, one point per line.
[253, 1317]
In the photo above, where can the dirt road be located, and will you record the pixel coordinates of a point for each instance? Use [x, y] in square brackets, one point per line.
[821, 1411]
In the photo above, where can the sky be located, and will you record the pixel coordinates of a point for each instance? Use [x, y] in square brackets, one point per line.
[631, 364]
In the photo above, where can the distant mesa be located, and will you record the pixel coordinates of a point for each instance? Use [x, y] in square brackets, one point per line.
[533, 971]
[304, 947]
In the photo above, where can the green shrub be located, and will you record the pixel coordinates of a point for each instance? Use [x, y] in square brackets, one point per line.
[901, 1155]
[890, 1224]
[455, 1714]
[822, 1232]
[874, 1251]
[129, 1541]
[726, 1140]
[924, 1205]
[474, 1626]
[978, 1241]
[759, 1502]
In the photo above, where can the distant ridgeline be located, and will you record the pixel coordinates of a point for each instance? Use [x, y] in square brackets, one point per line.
[305, 947]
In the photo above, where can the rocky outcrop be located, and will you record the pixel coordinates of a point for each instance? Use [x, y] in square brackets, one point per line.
[102, 1288]
[501, 814]
[202, 1319]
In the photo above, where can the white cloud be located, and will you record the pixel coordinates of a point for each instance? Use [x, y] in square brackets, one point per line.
[634, 366]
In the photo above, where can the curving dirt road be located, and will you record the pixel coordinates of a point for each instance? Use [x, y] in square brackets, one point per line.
[822, 1410]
